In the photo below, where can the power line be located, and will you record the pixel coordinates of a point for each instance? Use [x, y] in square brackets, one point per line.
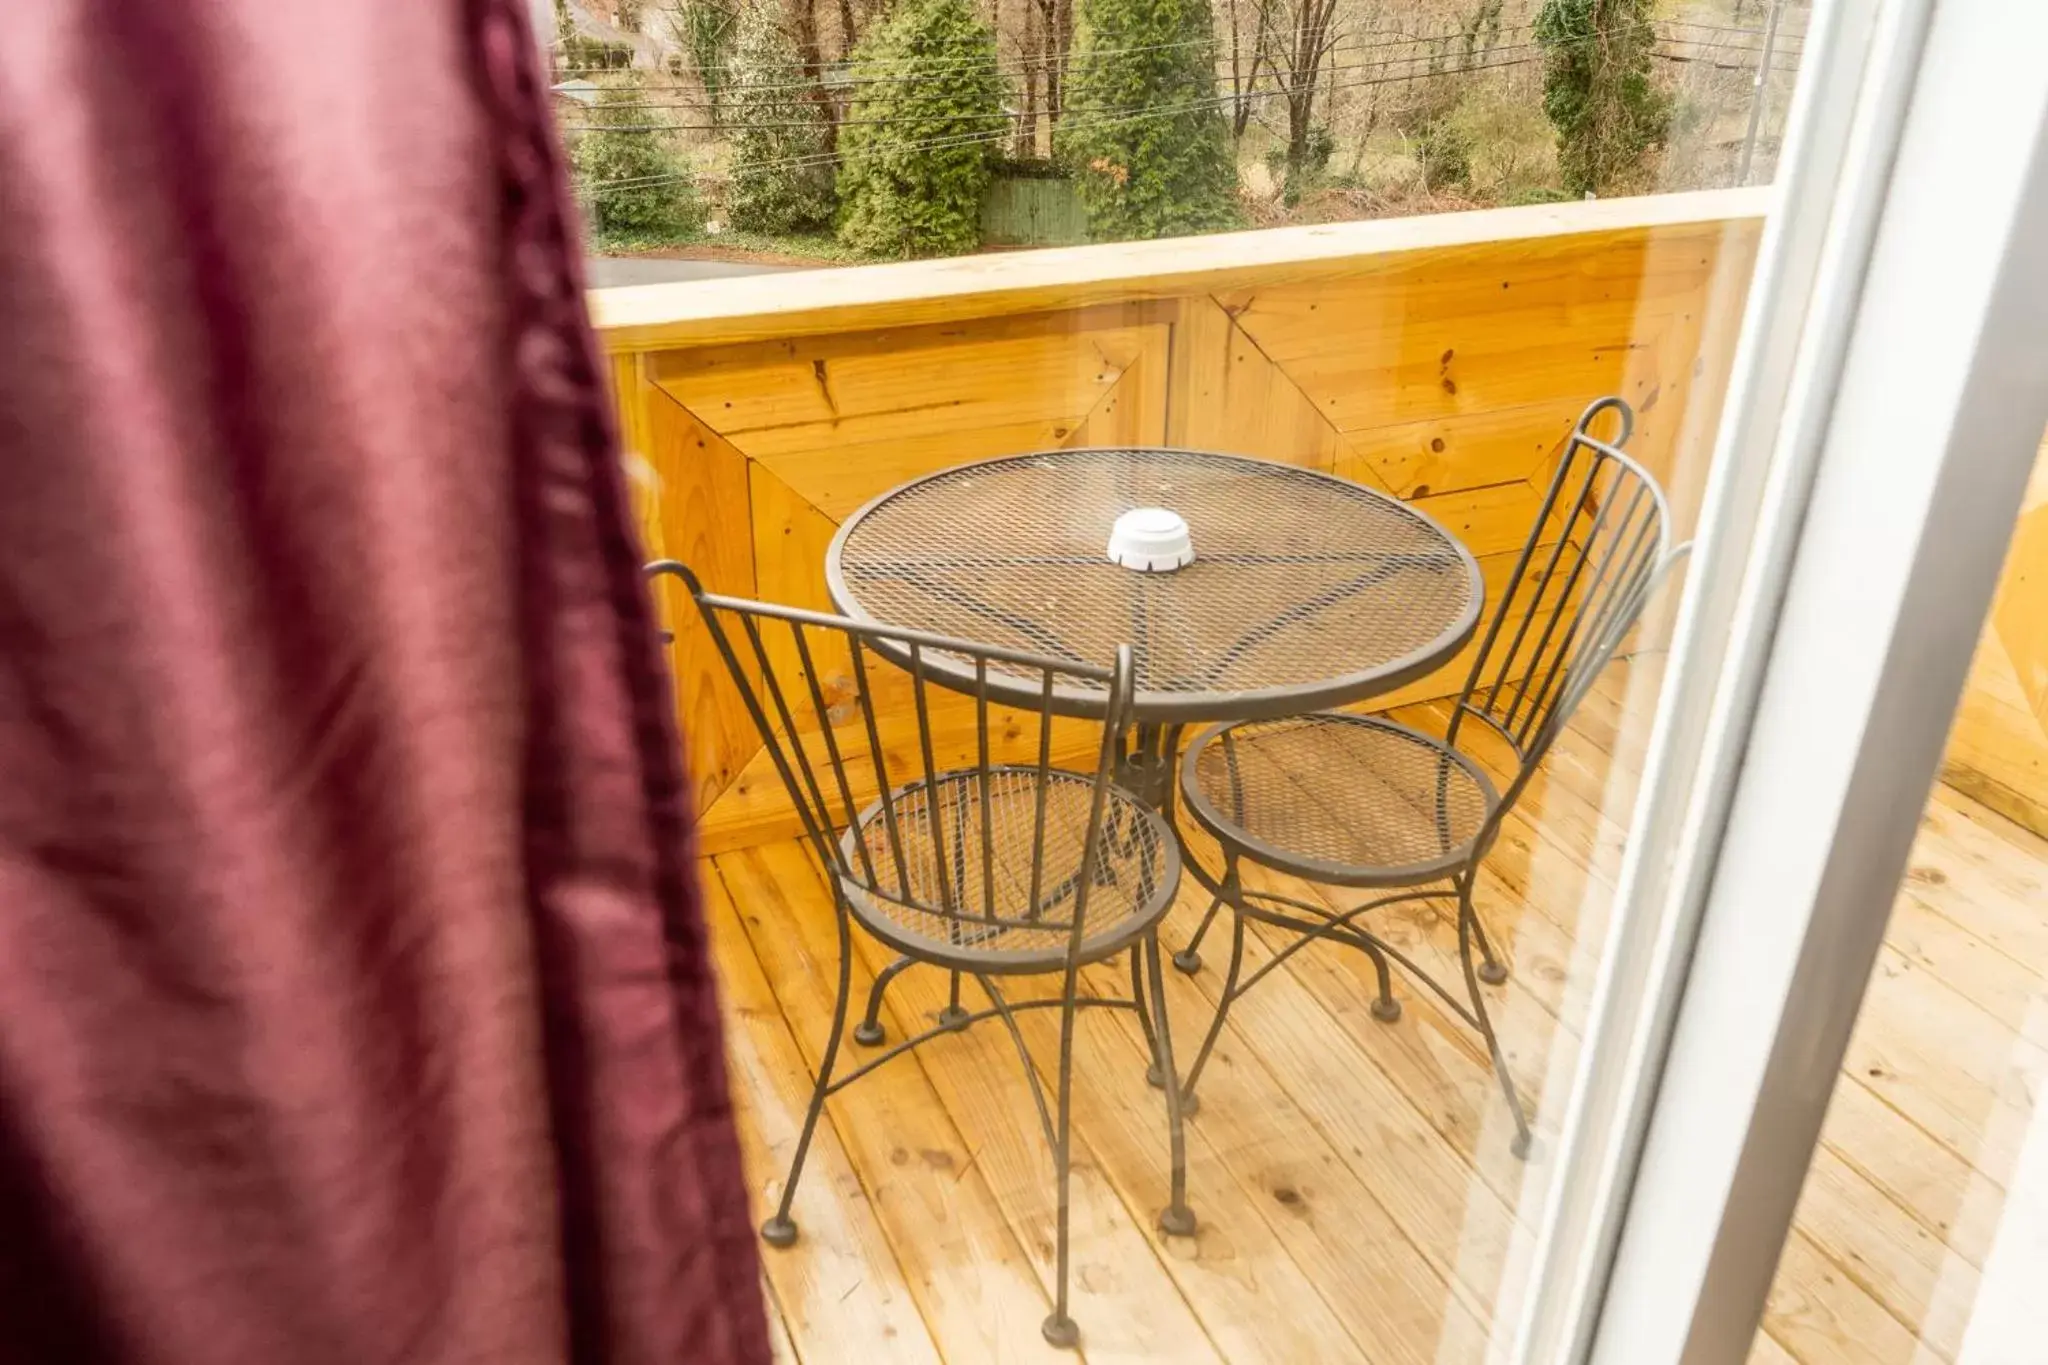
[1108, 117]
[1394, 37]
[1789, 64]
[839, 82]
[1079, 59]
[969, 139]
[1336, 69]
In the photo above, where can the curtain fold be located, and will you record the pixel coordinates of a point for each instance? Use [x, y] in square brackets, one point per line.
[354, 999]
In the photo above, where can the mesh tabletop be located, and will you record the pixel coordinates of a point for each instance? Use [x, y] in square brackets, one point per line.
[1306, 590]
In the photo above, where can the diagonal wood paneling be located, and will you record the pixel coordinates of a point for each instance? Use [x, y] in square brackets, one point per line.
[843, 418]
[1228, 395]
[687, 486]
[1133, 411]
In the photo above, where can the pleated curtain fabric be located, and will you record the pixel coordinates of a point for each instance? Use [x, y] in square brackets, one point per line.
[354, 998]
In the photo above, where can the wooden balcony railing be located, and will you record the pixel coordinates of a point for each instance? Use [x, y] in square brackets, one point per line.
[1441, 359]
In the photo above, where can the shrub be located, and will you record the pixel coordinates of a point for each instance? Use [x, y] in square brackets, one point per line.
[635, 184]
[782, 136]
[916, 148]
[1598, 90]
[1146, 137]
[1443, 149]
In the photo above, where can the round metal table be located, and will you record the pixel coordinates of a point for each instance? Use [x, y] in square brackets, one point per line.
[1307, 591]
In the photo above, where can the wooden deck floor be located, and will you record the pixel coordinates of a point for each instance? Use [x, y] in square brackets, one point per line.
[1356, 1194]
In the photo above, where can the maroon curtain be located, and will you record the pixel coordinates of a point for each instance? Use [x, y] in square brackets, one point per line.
[354, 1002]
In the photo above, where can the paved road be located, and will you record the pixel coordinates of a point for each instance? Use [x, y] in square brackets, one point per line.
[608, 271]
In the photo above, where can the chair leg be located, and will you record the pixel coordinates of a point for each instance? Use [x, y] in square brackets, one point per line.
[1468, 922]
[1189, 1102]
[1140, 997]
[1491, 969]
[1176, 1219]
[1386, 1008]
[780, 1230]
[1059, 1327]
[1189, 959]
[953, 1015]
[869, 1031]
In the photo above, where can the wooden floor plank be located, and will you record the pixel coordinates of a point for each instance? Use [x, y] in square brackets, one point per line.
[840, 1283]
[1766, 1351]
[1947, 1065]
[1127, 1307]
[781, 1350]
[1261, 1157]
[1899, 1263]
[980, 1296]
[1356, 1194]
[1822, 1317]
[1286, 1062]
[1942, 1191]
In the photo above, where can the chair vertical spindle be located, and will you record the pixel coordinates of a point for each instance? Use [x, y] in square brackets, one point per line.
[1543, 580]
[1602, 564]
[830, 731]
[821, 813]
[1041, 781]
[931, 784]
[988, 839]
[886, 792]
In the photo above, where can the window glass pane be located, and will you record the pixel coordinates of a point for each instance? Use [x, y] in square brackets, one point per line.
[1922, 1231]
[1433, 471]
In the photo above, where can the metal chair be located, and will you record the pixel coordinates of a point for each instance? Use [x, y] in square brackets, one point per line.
[988, 870]
[1353, 800]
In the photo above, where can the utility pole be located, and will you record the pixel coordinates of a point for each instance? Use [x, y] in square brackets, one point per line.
[1757, 90]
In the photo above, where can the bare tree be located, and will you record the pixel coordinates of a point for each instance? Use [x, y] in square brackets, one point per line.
[1298, 36]
[1247, 62]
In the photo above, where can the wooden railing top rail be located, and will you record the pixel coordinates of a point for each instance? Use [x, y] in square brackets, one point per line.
[797, 303]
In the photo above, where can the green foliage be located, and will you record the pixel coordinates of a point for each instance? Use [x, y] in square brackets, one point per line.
[1598, 90]
[1311, 173]
[782, 136]
[705, 30]
[915, 153]
[1444, 151]
[633, 181]
[1149, 144]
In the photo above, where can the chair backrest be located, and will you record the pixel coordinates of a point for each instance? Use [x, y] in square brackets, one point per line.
[862, 737]
[1596, 552]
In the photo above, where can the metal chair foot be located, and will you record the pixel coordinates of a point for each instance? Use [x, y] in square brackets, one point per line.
[1188, 1103]
[1522, 1146]
[1177, 1220]
[1187, 962]
[1386, 1009]
[1061, 1331]
[1492, 973]
[869, 1035]
[779, 1232]
[952, 1017]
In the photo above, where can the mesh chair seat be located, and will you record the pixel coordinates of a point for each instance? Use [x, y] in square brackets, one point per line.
[994, 924]
[1347, 799]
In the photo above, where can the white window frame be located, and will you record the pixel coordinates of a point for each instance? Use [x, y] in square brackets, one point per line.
[1891, 388]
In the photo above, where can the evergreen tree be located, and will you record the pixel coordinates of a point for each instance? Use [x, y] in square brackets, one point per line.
[704, 29]
[1144, 132]
[782, 136]
[636, 185]
[1598, 91]
[917, 147]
